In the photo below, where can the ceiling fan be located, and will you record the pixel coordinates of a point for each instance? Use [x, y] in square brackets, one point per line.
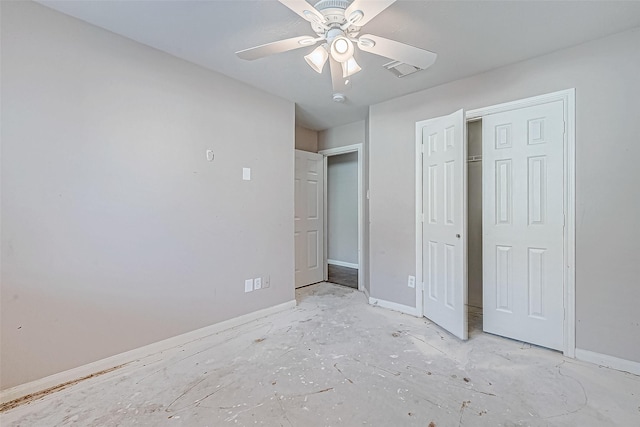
[337, 23]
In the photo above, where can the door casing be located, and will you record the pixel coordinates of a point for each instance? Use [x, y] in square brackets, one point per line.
[568, 99]
[353, 148]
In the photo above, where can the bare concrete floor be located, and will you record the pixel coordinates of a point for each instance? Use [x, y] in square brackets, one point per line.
[334, 360]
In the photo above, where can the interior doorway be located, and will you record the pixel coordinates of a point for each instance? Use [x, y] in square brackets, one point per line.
[342, 219]
[343, 215]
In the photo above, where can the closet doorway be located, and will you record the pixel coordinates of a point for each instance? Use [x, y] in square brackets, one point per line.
[343, 215]
[496, 230]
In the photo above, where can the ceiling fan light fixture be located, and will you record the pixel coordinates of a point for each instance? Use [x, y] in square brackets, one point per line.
[350, 67]
[341, 49]
[317, 58]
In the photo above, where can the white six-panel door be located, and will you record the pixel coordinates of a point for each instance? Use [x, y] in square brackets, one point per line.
[443, 223]
[309, 218]
[523, 220]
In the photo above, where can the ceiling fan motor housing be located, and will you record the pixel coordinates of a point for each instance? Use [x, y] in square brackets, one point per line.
[333, 11]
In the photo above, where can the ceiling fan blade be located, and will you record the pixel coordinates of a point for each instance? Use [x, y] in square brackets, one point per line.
[276, 47]
[337, 81]
[304, 9]
[369, 8]
[401, 52]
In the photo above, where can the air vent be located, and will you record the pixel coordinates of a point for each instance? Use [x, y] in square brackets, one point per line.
[400, 69]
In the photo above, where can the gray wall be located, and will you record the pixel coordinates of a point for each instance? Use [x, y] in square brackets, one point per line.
[116, 231]
[605, 74]
[306, 139]
[354, 133]
[342, 208]
[474, 214]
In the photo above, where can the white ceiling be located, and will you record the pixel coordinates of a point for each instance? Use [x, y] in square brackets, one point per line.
[469, 37]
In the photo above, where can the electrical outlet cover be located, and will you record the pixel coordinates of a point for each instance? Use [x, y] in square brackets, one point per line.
[257, 283]
[267, 282]
[412, 282]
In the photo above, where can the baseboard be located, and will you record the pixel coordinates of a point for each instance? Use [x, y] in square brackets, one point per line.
[137, 353]
[342, 263]
[366, 293]
[394, 306]
[608, 361]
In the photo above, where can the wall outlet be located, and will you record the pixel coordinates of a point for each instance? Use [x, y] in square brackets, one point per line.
[411, 282]
[267, 281]
[248, 285]
[257, 283]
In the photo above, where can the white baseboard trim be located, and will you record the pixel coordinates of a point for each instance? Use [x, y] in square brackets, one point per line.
[366, 293]
[342, 263]
[395, 306]
[608, 361]
[137, 353]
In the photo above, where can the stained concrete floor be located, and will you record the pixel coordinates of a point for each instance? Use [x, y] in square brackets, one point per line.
[334, 360]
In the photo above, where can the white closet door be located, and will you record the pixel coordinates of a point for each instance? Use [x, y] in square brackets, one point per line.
[443, 207]
[309, 218]
[523, 224]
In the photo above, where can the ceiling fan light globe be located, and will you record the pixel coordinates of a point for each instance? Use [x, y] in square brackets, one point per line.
[341, 46]
[341, 49]
[317, 58]
[350, 67]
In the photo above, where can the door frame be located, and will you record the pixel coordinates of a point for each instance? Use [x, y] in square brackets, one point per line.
[353, 148]
[569, 243]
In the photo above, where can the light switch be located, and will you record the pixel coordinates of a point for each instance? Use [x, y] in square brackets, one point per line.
[248, 285]
[246, 174]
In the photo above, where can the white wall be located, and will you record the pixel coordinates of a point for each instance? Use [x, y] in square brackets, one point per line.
[306, 139]
[605, 74]
[116, 231]
[342, 208]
